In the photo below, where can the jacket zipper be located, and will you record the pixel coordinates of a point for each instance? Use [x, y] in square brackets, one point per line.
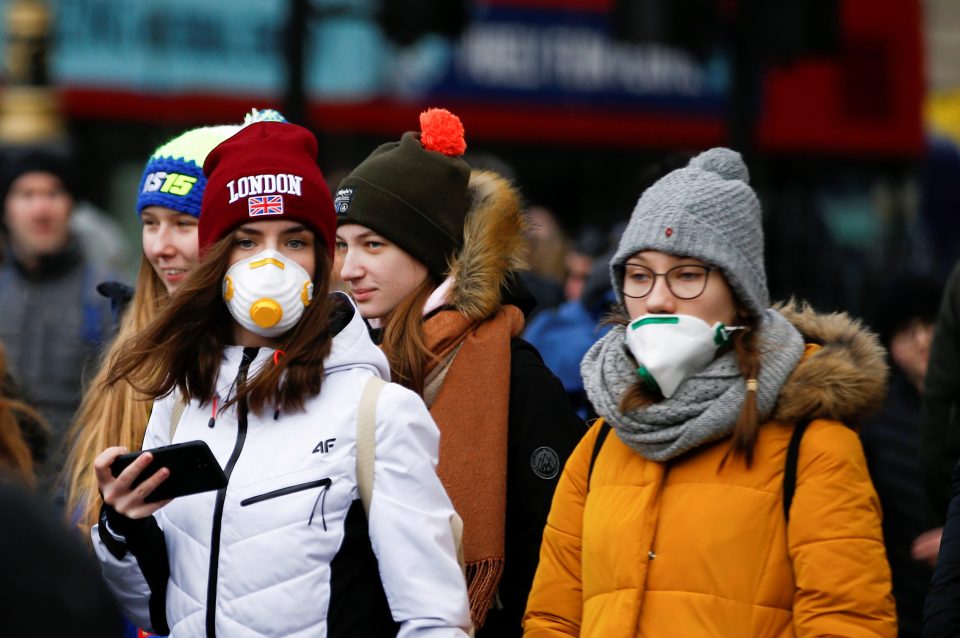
[325, 483]
[283, 491]
[248, 356]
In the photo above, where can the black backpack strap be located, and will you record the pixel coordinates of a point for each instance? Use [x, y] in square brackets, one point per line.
[597, 446]
[790, 469]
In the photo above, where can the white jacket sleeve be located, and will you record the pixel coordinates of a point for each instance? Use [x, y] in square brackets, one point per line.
[136, 569]
[410, 522]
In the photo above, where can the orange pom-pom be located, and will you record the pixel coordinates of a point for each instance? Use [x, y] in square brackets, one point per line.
[442, 131]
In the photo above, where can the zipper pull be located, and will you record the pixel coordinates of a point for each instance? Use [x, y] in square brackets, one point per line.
[213, 414]
[322, 499]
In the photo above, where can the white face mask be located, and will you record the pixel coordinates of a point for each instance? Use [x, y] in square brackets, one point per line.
[267, 293]
[670, 348]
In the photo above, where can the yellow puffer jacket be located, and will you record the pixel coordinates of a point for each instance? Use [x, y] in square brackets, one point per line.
[690, 549]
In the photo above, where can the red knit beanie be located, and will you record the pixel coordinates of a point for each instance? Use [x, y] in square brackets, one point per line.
[266, 171]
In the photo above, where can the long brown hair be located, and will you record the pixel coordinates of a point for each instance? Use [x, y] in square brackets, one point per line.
[182, 348]
[15, 453]
[745, 344]
[110, 415]
[404, 341]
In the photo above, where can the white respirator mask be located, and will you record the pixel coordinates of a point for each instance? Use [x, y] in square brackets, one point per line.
[670, 348]
[267, 293]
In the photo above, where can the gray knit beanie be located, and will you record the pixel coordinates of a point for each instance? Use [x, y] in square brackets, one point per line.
[708, 211]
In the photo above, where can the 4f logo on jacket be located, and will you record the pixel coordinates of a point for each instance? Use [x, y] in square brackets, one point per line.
[324, 446]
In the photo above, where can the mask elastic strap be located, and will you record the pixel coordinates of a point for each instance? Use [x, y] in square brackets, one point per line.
[648, 379]
[721, 335]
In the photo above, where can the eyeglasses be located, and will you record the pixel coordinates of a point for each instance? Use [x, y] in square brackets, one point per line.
[684, 282]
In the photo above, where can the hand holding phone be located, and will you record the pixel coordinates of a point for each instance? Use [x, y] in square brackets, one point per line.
[192, 466]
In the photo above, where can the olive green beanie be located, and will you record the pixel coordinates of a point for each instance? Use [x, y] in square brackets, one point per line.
[413, 192]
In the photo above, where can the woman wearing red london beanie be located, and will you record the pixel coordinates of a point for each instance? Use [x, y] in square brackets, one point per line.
[253, 358]
[429, 250]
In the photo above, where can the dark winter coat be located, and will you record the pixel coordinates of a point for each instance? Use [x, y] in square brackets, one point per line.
[49, 585]
[892, 446]
[941, 610]
[52, 324]
[940, 411]
[542, 429]
[543, 432]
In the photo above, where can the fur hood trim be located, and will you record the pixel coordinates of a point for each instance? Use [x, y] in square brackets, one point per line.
[493, 245]
[845, 380]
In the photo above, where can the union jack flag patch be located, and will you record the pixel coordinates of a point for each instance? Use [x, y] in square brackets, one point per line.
[265, 205]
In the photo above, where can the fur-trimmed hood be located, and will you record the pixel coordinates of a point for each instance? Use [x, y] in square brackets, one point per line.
[493, 245]
[845, 380]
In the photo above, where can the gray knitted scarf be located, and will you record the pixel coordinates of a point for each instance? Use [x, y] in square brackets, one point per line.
[705, 407]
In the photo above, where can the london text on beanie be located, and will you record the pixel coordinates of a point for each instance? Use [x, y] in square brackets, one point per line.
[266, 171]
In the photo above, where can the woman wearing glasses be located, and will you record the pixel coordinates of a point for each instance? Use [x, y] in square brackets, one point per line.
[733, 497]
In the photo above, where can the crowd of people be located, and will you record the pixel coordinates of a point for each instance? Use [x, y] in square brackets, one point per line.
[431, 415]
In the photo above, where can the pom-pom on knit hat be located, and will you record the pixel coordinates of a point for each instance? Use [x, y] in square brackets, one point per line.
[173, 177]
[708, 211]
[413, 192]
[267, 171]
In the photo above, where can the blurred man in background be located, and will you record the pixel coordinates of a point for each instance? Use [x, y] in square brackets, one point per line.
[564, 333]
[52, 320]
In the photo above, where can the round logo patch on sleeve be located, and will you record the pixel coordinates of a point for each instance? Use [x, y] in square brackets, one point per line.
[545, 462]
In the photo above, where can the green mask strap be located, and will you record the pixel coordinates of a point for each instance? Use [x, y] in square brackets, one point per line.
[648, 379]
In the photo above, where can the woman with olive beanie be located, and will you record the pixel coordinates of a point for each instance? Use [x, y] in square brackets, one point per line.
[732, 497]
[429, 249]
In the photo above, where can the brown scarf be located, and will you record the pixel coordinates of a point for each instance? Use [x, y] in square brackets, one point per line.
[471, 410]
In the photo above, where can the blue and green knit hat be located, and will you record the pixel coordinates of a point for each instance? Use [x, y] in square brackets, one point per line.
[173, 177]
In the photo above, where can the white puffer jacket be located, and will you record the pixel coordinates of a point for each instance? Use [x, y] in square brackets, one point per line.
[285, 548]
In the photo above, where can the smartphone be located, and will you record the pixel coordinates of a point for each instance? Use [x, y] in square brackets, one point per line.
[193, 469]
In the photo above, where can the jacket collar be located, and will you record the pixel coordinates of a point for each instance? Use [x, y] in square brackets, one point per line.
[51, 266]
[493, 246]
[844, 379]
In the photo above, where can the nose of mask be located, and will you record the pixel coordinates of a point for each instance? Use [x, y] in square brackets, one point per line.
[266, 313]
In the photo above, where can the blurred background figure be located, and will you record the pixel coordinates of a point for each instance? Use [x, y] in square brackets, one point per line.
[589, 244]
[546, 267]
[53, 320]
[563, 334]
[548, 244]
[904, 317]
[940, 420]
[23, 433]
[941, 609]
[102, 238]
[48, 585]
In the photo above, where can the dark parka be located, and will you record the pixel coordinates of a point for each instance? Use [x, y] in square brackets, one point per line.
[51, 325]
[941, 612]
[542, 430]
[940, 411]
